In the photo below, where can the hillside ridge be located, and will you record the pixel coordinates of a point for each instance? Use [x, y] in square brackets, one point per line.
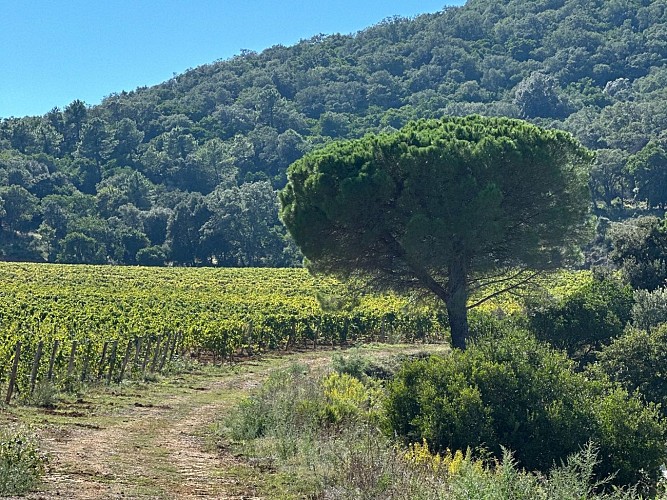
[185, 172]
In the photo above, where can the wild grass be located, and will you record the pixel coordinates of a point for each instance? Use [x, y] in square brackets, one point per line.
[322, 437]
[21, 461]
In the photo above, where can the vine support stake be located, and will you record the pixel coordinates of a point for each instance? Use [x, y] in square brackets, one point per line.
[52, 359]
[72, 355]
[137, 352]
[167, 345]
[156, 355]
[35, 365]
[86, 362]
[15, 369]
[146, 356]
[104, 355]
[173, 346]
[112, 360]
[126, 358]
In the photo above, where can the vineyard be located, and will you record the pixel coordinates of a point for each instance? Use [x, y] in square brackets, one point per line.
[67, 323]
[82, 323]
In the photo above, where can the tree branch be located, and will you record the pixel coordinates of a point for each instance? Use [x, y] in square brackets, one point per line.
[493, 281]
[506, 289]
[419, 272]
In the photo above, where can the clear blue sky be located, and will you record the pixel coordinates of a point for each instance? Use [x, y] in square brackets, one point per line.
[55, 51]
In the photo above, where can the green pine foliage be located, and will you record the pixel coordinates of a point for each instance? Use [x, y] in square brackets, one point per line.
[168, 166]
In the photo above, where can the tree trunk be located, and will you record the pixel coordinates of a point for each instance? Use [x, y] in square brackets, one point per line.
[457, 298]
[454, 295]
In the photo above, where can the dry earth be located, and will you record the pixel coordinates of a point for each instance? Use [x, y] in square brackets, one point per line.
[156, 440]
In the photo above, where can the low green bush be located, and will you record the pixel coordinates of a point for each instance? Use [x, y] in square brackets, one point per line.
[585, 320]
[650, 308]
[288, 399]
[513, 391]
[21, 462]
[365, 366]
[638, 361]
[344, 455]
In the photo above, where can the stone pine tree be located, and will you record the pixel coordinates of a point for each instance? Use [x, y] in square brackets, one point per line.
[449, 206]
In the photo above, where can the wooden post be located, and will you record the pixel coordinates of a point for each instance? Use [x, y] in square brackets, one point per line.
[15, 368]
[86, 362]
[52, 360]
[35, 366]
[183, 347]
[100, 371]
[112, 360]
[72, 354]
[126, 359]
[147, 356]
[156, 355]
[173, 346]
[167, 345]
[137, 352]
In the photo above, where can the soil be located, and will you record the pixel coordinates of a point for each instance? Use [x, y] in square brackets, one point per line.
[153, 441]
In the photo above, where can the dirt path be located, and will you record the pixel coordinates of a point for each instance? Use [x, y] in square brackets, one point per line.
[153, 441]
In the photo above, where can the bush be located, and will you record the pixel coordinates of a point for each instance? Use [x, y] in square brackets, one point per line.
[151, 256]
[345, 396]
[638, 249]
[365, 367]
[649, 308]
[288, 400]
[351, 459]
[585, 320]
[21, 462]
[512, 391]
[45, 395]
[638, 361]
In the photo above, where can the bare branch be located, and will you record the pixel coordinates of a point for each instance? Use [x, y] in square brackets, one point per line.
[506, 289]
[492, 281]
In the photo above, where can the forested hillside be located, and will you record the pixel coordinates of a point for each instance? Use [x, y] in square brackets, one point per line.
[185, 172]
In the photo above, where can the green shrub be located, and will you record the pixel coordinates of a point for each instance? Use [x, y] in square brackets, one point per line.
[650, 308]
[513, 391]
[585, 320]
[365, 367]
[21, 462]
[638, 361]
[45, 395]
[354, 364]
[345, 397]
[351, 459]
[289, 399]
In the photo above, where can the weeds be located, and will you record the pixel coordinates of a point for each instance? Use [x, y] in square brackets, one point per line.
[322, 438]
[21, 462]
[45, 395]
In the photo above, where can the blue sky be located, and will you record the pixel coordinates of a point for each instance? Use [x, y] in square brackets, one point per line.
[55, 51]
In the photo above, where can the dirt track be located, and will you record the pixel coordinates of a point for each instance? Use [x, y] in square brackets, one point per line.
[149, 443]
[155, 440]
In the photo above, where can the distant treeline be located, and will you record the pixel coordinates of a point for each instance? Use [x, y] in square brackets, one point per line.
[185, 172]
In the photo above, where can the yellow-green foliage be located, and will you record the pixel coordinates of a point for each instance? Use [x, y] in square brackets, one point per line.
[557, 285]
[21, 461]
[345, 396]
[448, 463]
[220, 310]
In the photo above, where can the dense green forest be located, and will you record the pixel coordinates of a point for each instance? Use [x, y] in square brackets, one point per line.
[185, 172]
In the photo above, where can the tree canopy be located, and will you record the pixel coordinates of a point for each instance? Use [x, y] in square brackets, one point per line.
[597, 69]
[448, 206]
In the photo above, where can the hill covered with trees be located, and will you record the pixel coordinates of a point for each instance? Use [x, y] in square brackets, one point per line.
[185, 172]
